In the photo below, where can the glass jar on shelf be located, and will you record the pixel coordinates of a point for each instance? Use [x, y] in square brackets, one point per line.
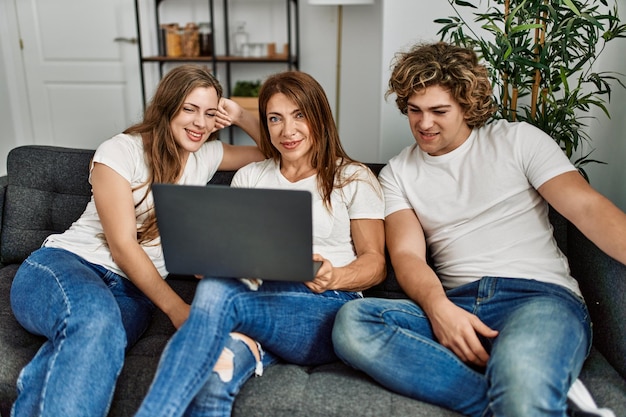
[240, 38]
[173, 40]
[206, 39]
[191, 40]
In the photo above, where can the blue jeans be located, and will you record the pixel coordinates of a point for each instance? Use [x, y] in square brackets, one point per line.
[544, 338]
[287, 319]
[218, 394]
[89, 316]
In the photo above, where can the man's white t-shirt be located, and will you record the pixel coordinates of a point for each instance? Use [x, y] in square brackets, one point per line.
[124, 154]
[360, 199]
[479, 207]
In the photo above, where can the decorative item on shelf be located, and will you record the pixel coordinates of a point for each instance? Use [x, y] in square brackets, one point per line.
[240, 38]
[246, 50]
[206, 39]
[246, 94]
[272, 53]
[173, 40]
[271, 49]
[254, 50]
[191, 40]
[339, 4]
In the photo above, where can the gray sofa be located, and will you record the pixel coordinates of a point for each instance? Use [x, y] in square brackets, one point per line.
[46, 189]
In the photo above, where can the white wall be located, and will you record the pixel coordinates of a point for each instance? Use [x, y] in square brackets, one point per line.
[609, 135]
[359, 109]
[371, 128]
[7, 132]
[15, 125]
[406, 21]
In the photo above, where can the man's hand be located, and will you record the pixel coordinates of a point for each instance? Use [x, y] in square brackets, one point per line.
[457, 330]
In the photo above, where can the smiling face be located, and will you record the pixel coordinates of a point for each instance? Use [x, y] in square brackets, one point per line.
[195, 121]
[289, 130]
[437, 121]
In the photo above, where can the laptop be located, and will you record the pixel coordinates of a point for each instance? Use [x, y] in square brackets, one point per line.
[221, 231]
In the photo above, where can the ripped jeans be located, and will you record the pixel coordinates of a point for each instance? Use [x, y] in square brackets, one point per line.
[217, 396]
[286, 318]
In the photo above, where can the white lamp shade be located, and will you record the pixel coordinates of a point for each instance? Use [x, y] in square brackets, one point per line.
[339, 2]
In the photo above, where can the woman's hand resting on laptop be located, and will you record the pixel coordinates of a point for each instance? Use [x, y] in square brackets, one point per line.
[323, 280]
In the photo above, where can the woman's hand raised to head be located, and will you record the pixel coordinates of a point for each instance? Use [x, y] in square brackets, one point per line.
[230, 113]
[227, 112]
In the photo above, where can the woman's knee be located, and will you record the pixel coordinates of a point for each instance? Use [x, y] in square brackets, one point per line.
[239, 360]
[213, 293]
[98, 328]
[239, 350]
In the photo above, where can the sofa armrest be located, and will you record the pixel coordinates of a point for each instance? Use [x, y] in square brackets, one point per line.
[47, 190]
[602, 281]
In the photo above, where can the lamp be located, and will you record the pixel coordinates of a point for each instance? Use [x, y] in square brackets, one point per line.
[339, 4]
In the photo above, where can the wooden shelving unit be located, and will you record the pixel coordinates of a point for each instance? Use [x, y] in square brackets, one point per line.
[290, 60]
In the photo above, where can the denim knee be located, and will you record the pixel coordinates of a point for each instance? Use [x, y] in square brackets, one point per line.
[85, 358]
[105, 327]
[349, 333]
[218, 394]
[537, 356]
[215, 293]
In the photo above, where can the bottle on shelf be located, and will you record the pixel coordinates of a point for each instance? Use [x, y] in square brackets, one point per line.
[240, 38]
[206, 39]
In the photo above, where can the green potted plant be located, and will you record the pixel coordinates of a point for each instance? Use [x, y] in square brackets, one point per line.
[540, 55]
[246, 94]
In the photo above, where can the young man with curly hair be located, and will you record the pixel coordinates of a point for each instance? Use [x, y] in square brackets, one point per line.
[497, 326]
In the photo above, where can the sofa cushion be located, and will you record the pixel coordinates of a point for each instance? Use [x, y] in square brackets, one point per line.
[46, 191]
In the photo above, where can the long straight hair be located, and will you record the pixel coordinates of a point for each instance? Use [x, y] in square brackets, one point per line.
[161, 151]
[328, 156]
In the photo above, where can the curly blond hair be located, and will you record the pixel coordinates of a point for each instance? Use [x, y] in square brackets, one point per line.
[452, 67]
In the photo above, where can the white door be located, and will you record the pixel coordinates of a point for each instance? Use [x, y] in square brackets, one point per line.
[82, 77]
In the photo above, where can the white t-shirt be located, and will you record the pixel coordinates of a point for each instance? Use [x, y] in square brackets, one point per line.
[479, 207]
[124, 154]
[360, 199]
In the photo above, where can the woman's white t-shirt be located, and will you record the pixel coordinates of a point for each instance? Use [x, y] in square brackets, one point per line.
[479, 206]
[360, 199]
[124, 154]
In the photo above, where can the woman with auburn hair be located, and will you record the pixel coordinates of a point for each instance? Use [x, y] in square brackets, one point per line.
[205, 363]
[91, 290]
